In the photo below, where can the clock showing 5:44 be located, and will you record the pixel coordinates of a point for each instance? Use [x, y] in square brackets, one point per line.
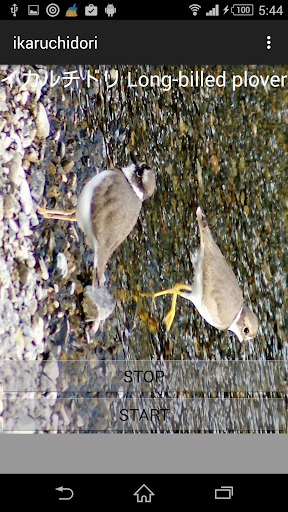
[263, 10]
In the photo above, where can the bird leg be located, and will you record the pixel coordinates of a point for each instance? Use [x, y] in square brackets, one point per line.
[94, 279]
[169, 317]
[57, 214]
[175, 291]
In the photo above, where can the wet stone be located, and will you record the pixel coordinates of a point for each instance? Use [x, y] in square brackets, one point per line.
[67, 165]
[61, 269]
[23, 272]
[11, 206]
[97, 304]
[37, 183]
[25, 197]
[42, 122]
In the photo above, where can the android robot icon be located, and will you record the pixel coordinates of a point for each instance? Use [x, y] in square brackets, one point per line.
[110, 10]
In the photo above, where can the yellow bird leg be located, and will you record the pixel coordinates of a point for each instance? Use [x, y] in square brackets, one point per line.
[157, 294]
[57, 214]
[179, 287]
[168, 319]
[176, 290]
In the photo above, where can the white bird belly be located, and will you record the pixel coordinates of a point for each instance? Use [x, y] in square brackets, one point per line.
[196, 296]
[83, 213]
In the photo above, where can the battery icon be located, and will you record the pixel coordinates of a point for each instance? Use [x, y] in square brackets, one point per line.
[242, 9]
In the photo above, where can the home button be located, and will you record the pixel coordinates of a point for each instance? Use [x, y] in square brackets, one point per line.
[144, 494]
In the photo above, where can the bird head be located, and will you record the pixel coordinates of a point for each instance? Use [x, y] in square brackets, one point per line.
[246, 325]
[141, 178]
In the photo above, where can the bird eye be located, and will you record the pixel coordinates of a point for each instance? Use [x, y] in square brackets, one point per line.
[246, 330]
[140, 170]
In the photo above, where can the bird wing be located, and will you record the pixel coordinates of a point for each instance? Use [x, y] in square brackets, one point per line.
[114, 212]
[221, 292]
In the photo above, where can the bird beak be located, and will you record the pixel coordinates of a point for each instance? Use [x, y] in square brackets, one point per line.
[238, 336]
[242, 348]
[132, 156]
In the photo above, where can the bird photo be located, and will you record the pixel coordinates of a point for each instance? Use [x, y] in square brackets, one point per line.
[107, 210]
[215, 291]
[71, 291]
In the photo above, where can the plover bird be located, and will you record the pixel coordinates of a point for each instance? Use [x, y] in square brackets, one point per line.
[108, 208]
[215, 291]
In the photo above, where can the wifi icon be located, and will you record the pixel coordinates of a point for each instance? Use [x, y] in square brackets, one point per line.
[194, 8]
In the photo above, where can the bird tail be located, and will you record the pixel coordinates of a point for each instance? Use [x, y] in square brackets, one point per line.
[201, 218]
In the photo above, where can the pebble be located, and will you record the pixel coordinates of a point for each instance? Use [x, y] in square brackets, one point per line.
[3, 104]
[21, 253]
[13, 225]
[38, 330]
[44, 270]
[9, 206]
[30, 261]
[4, 274]
[25, 197]
[5, 156]
[62, 265]
[51, 369]
[37, 183]
[67, 166]
[5, 141]
[97, 304]
[42, 122]
[1, 207]
[24, 224]
[39, 293]
[17, 140]
[24, 97]
[2, 124]
[16, 170]
[32, 156]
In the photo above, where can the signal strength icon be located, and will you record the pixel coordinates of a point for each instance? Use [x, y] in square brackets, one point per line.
[214, 11]
[194, 8]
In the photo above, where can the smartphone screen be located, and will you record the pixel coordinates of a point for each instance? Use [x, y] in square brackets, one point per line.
[143, 249]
